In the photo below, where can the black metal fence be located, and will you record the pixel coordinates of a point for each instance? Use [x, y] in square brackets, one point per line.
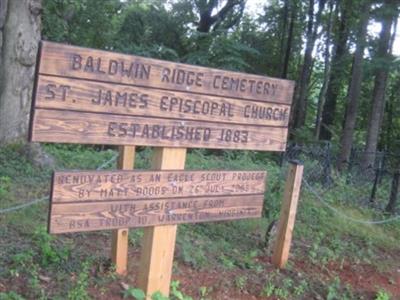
[374, 186]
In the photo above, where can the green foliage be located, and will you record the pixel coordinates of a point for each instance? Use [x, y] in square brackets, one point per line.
[336, 291]
[241, 282]
[79, 157]
[5, 186]
[17, 167]
[24, 262]
[81, 22]
[231, 247]
[176, 294]
[135, 293]
[79, 290]
[140, 34]
[220, 51]
[48, 252]
[193, 252]
[382, 295]
[271, 289]
[158, 296]
[203, 292]
[10, 296]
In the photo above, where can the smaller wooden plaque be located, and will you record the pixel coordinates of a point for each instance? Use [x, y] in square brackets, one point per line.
[99, 200]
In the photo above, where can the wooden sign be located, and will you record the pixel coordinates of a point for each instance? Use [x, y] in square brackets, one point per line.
[96, 97]
[98, 200]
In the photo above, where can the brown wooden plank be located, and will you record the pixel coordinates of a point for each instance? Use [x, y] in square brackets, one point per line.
[93, 128]
[288, 215]
[119, 238]
[90, 216]
[158, 242]
[133, 185]
[89, 96]
[77, 62]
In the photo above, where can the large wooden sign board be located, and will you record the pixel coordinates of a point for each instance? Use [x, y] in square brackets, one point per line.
[90, 96]
[87, 201]
[96, 97]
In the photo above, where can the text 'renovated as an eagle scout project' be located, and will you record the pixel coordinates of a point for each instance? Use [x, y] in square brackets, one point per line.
[97, 97]
[94, 200]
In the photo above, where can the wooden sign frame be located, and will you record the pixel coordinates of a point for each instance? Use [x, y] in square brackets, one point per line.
[91, 96]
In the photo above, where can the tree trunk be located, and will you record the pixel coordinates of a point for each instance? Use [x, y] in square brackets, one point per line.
[285, 14]
[335, 78]
[381, 75]
[300, 107]
[209, 20]
[392, 101]
[346, 141]
[327, 71]
[288, 49]
[19, 39]
[391, 206]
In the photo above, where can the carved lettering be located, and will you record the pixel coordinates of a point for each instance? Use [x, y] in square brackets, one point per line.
[244, 85]
[118, 99]
[161, 132]
[182, 77]
[98, 65]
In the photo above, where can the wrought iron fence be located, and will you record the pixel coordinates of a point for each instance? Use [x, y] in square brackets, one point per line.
[375, 186]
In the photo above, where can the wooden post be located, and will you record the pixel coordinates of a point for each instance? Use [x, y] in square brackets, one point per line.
[119, 246]
[159, 241]
[288, 215]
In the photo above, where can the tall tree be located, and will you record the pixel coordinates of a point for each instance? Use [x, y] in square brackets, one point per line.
[211, 18]
[346, 141]
[287, 40]
[327, 70]
[383, 57]
[337, 67]
[300, 105]
[19, 39]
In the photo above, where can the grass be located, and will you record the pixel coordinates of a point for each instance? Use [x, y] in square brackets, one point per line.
[79, 264]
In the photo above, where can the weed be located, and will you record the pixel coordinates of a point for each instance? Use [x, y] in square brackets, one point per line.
[203, 292]
[246, 261]
[135, 236]
[158, 296]
[268, 289]
[241, 282]
[5, 185]
[192, 252]
[10, 296]
[382, 295]
[135, 293]
[176, 293]
[334, 290]
[301, 288]
[281, 293]
[48, 253]
[79, 156]
[139, 294]
[337, 292]
[226, 261]
[24, 262]
[79, 290]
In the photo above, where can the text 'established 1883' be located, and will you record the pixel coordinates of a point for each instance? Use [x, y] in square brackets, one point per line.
[97, 97]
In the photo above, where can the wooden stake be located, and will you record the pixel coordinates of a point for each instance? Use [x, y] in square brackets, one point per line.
[288, 215]
[119, 246]
[159, 241]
